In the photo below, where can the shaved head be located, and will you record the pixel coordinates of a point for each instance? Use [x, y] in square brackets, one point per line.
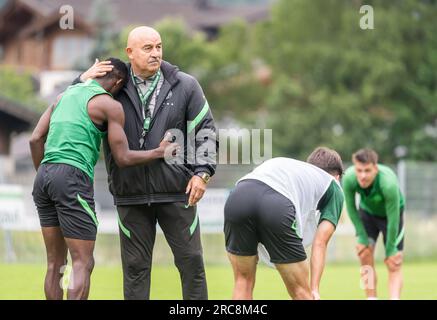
[141, 34]
[144, 49]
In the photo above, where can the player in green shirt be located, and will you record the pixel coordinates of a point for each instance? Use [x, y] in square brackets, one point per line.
[65, 147]
[380, 210]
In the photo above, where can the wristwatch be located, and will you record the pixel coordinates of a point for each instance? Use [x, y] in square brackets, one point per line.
[205, 176]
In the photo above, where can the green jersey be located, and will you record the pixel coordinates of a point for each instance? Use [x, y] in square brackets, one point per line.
[382, 199]
[73, 138]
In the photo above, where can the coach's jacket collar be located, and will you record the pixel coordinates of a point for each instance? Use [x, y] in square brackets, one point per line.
[170, 80]
[169, 72]
[132, 93]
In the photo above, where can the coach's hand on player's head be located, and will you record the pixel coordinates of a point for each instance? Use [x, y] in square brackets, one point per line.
[394, 262]
[98, 69]
[196, 187]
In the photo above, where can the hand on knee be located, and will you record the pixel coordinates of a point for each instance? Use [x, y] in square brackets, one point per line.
[394, 262]
[366, 254]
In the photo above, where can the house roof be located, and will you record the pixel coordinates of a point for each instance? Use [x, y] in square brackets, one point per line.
[21, 116]
[150, 11]
[19, 18]
[144, 12]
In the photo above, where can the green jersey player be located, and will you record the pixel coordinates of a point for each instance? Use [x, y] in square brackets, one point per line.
[380, 210]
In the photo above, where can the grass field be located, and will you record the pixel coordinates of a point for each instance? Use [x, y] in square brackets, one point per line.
[340, 281]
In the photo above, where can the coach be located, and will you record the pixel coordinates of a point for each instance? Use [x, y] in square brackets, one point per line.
[159, 97]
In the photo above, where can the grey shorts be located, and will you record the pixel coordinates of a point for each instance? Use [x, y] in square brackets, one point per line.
[64, 197]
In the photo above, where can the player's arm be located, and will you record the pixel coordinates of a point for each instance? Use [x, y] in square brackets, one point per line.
[349, 194]
[318, 254]
[392, 208]
[118, 143]
[330, 206]
[39, 135]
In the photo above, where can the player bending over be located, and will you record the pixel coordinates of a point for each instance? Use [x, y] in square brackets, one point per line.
[380, 211]
[285, 204]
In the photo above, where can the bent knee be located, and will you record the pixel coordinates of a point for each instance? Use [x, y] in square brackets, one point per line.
[301, 293]
[245, 273]
[86, 264]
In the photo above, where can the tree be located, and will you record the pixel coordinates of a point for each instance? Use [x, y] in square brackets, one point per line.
[331, 82]
[18, 86]
[338, 85]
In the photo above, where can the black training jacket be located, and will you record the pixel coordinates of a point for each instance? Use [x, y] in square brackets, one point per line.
[180, 100]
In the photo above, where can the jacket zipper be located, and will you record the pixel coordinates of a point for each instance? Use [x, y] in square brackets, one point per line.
[147, 177]
[150, 130]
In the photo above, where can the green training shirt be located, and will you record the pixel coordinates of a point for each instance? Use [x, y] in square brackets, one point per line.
[73, 138]
[331, 204]
[382, 199]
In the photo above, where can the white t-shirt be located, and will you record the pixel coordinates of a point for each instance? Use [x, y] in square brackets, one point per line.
[303, 183]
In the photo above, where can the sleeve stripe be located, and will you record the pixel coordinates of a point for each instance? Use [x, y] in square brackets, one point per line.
[199, 117]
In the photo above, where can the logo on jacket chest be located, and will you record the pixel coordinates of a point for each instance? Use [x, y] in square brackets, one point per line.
[168, 101]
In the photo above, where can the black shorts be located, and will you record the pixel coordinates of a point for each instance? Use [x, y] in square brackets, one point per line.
[374, 225]
[255, 213]
[64, 196]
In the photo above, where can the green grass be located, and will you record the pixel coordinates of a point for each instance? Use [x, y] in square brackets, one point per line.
[340, 281]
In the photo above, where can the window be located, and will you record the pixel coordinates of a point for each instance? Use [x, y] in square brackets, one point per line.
[67, 51]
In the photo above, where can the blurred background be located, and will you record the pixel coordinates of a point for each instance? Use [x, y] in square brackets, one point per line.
[304, 69]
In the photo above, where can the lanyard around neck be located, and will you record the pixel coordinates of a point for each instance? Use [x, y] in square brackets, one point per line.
[149, 91]
[144, 98]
